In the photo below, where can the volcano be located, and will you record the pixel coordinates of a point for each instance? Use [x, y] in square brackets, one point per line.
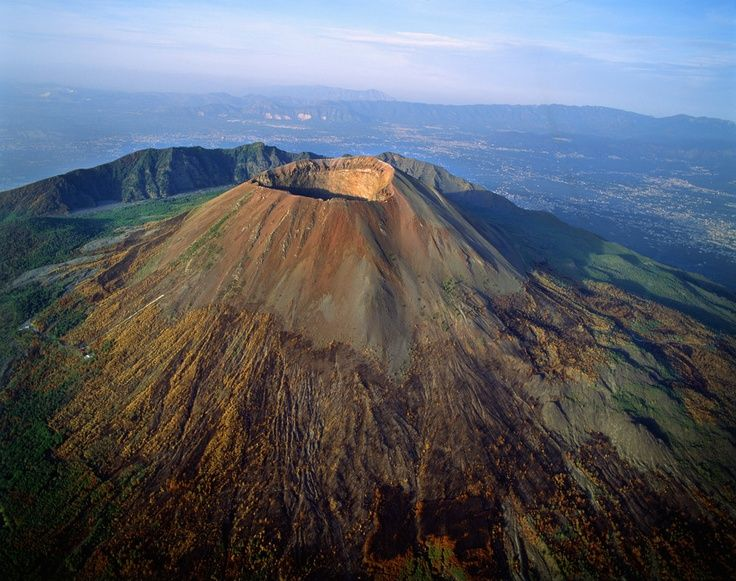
[367, 367]
[344, 250]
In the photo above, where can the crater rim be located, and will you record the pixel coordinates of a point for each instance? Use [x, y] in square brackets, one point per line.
[360, 178]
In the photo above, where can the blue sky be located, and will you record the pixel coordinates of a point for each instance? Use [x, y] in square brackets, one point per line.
[653, 57]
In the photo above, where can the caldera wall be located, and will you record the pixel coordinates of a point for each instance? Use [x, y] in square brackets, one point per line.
[357, 178]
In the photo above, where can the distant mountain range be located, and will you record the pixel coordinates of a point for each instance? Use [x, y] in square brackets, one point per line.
[544, 119]
[318, 93]
[320, 106]
[149, 173]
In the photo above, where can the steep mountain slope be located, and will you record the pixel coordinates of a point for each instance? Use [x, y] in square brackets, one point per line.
[342, 250]
[539, 239]
[149, 173]
[430, 175]
[335, 370]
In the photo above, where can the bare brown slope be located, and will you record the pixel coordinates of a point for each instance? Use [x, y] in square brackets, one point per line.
[342, 250]
[533, 428]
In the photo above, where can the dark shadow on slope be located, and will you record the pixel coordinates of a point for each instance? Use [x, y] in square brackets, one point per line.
[651, 426]
[542, 239]
[699, 313]
[318, 193]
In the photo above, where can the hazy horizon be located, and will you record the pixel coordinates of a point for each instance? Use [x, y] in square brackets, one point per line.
[660, 59]
[292, 91]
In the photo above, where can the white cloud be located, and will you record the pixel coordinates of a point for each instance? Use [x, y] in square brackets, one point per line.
[433, 52]
[404, 39]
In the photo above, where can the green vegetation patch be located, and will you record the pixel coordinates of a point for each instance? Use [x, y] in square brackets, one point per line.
[38, 492]
[150, 210]
[33, 242]
[29, 243]
[53, 511]
[449, 287]
[18, 305]
[435, 561]
[541, 239]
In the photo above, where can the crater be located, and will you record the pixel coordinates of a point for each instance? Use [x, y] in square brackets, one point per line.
[352, 178]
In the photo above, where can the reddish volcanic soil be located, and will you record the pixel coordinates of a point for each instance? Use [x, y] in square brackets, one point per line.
[329, 372]
[363, 264]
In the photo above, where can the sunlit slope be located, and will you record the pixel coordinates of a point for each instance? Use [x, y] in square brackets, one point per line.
[334, 369]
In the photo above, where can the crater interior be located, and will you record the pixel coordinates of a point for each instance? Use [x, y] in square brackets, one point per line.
[352, 178]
